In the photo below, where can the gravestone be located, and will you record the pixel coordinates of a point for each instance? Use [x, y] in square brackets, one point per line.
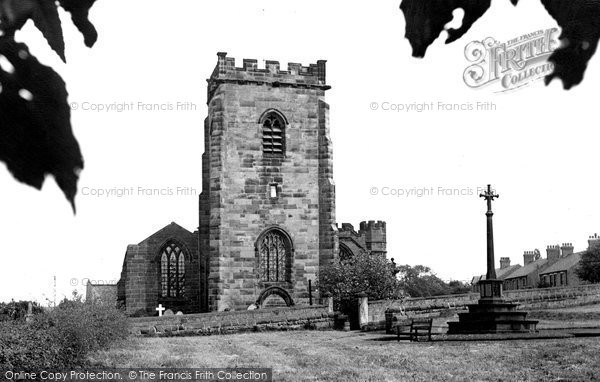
[168, 312]
[180, 313]
[29, 315]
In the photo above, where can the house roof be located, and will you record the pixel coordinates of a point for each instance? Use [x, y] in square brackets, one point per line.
[527, 269]
[504, 272]
[501, 273]
[564, 263]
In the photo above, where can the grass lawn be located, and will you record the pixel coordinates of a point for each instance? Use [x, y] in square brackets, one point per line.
[354, 356]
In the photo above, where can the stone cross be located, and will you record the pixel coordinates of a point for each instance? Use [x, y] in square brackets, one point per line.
[489, 195]
[160, 310]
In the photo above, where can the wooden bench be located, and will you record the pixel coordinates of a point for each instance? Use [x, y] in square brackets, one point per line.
[414, 328]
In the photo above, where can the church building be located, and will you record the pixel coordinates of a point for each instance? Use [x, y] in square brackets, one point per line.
[267, 208]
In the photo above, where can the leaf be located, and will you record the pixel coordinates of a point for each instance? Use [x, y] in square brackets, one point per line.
[425, 20]
[44, 14]
[580, 23]
[79, 10]
[36, 138]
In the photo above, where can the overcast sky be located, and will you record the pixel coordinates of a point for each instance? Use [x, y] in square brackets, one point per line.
[538, 148]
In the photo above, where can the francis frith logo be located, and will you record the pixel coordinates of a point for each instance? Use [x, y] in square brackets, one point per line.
[512, 64]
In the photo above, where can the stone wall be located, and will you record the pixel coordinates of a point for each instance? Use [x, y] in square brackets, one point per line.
[440, 305]
[308, 317]
[236, 206]
[555, 297]
[426, 306]
[140, 286]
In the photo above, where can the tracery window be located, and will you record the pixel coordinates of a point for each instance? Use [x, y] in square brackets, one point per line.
[274, 255]
[172, 271]
[345, 253]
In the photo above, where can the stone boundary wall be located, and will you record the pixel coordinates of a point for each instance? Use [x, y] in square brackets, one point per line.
[555, 297]
[440, 305]
[306, 317]
[424, 306]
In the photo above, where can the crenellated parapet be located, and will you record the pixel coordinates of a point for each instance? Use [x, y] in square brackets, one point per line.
[296, 75]
[371, 236]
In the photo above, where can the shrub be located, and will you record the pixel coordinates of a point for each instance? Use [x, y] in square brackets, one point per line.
[61, 338]
[17, 310]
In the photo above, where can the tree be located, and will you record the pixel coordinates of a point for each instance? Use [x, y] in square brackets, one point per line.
[459, 287]
[589, 265]
[362, 273]
[36, 138]
[420, 281]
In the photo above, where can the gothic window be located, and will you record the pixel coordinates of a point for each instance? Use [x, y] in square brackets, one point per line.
[274, 255]
[345, 253]
[172, 271]
[273, 135]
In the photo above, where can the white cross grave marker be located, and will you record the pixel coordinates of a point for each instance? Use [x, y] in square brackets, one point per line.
[160, 310]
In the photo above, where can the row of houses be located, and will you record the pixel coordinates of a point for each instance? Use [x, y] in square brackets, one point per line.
[555, 270]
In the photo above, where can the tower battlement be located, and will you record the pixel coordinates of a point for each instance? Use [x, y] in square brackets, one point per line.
[371, 236]
[296, 75]
[372, 225]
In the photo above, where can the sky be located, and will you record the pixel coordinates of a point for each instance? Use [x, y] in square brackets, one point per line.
[536, 145]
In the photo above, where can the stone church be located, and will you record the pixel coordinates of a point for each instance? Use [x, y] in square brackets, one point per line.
[267, 208]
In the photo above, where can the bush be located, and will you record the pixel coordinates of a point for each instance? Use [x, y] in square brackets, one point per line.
[372, 275]
[61, 338]
[17, 310]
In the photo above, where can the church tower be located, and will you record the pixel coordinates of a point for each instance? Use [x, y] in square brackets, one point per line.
[267, 209]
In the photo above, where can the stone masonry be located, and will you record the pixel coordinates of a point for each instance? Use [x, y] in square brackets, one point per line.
[267, 207]
[236, 205]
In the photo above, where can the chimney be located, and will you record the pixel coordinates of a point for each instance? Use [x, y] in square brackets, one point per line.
[553, 252]
[566, 249]
[504, 262]
[528, 257]
[593, 241]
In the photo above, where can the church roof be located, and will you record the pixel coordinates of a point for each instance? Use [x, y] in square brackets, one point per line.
[527, 269]
[564, 263]
[169, 228]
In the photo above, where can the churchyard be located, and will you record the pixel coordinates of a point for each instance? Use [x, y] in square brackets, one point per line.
[333, 355]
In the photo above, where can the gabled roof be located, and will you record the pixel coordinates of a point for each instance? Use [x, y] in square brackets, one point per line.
[504, 272]
[170, 228]
[527, 269]
[501, 273]
[564, 263]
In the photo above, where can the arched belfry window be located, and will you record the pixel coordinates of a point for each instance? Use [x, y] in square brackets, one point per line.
[275, 256]
[172, 271]
[273, 134]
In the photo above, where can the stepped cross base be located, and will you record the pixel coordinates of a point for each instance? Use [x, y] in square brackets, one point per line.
[492, 314]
